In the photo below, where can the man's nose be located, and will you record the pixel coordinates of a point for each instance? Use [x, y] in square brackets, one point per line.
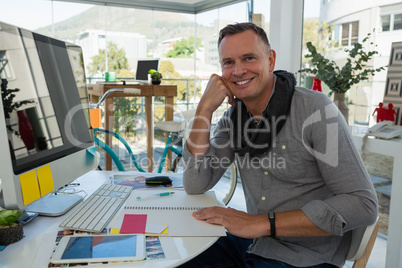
[239, 68]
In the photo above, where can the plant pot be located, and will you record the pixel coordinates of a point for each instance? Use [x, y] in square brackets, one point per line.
[339, 100]
[156, 81]
[11, 234]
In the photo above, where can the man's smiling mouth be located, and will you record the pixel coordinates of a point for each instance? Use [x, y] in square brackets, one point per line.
[242, 82]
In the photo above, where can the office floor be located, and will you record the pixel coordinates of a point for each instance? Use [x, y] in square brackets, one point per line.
[377, 257]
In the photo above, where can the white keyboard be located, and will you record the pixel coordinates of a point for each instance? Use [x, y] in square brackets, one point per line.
[98, 209]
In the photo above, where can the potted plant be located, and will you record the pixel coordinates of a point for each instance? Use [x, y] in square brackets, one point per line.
[11, 230]
[339, 80]
[155, 76]
[9, 106]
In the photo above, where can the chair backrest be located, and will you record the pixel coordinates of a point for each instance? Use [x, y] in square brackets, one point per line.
[362, 243]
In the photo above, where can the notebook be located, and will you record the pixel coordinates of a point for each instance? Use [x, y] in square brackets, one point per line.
[175, 211]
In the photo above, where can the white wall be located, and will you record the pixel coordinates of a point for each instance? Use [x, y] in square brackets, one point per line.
[286, 27]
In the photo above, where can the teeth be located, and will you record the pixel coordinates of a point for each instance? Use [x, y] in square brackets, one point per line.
[242, 82]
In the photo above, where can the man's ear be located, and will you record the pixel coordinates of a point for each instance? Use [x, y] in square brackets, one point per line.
[272, 59]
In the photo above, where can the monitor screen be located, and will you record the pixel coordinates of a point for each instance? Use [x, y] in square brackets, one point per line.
[44, 117]
[143, 66]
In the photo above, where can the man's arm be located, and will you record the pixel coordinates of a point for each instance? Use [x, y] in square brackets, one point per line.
[290, 223]
[214, 95]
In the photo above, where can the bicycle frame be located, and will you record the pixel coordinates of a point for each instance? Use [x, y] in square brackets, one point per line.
[168, 146]
[112, 154]
[115, 157]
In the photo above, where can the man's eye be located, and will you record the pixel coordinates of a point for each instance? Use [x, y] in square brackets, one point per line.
[227, 62]
[250, 58]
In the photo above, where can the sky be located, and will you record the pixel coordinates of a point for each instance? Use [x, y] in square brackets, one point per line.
[42, 10]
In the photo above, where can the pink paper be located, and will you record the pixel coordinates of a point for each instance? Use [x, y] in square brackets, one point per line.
[134, 224]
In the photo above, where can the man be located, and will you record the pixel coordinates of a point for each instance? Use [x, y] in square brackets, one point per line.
[304, 182]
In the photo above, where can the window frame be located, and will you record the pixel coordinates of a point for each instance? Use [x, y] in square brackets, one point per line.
[338, 33]
[391, 21]
[5, 69]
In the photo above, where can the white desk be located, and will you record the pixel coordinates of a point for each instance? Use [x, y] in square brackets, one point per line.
[391, 148]
[35, 249]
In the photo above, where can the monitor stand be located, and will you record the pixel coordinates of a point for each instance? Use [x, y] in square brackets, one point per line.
[54, 204]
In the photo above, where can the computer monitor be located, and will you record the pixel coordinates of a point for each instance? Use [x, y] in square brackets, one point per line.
[143, 66]
[45, 132]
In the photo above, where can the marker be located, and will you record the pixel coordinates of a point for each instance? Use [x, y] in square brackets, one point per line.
[155, 195]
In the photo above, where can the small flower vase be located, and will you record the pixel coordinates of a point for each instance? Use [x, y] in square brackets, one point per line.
[155, 81]
[339, 100]
[25, 130]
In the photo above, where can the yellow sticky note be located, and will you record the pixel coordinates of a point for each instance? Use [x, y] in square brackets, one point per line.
[29, 187]
[45, 178]
[166, 231]
[114, 231]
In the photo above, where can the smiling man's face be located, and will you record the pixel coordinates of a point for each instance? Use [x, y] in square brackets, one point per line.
[247, 65]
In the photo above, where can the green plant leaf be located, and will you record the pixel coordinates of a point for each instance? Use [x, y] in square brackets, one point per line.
[8, 217]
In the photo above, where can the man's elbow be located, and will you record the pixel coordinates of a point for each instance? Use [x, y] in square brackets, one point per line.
[371, 206]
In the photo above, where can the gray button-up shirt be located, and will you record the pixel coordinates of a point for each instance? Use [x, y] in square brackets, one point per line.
[313, 166]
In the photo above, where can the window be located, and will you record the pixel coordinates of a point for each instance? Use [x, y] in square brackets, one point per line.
[5, 68]
[345, 34]
[350, 33]
[385, 23]
[391, 22]
[355, 32]
[398, 21]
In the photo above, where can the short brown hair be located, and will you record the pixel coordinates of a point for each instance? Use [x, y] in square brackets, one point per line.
[236, 28]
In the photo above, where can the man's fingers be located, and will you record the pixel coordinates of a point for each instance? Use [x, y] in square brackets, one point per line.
[210, 216]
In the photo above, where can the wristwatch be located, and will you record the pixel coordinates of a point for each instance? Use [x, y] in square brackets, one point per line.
[271, 217]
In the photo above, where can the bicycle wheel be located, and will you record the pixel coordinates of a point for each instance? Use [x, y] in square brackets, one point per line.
[225, 187]
[228, 182]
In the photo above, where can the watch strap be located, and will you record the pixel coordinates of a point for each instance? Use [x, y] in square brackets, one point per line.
[271, 217]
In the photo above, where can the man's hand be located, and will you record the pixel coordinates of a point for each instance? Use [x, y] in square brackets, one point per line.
[236, 222]
[214, 95]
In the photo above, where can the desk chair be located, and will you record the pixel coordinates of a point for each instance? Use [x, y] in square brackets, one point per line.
[362, 244]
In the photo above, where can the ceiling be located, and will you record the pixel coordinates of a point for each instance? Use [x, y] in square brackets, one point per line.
[180, 6]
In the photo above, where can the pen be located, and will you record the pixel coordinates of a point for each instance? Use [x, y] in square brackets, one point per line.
[155, 195]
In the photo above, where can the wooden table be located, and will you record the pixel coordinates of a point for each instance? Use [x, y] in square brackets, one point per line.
[147, 91]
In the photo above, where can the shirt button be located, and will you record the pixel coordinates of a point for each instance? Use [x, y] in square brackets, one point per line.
[266, 172]
[283, 147]
[263, 198]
